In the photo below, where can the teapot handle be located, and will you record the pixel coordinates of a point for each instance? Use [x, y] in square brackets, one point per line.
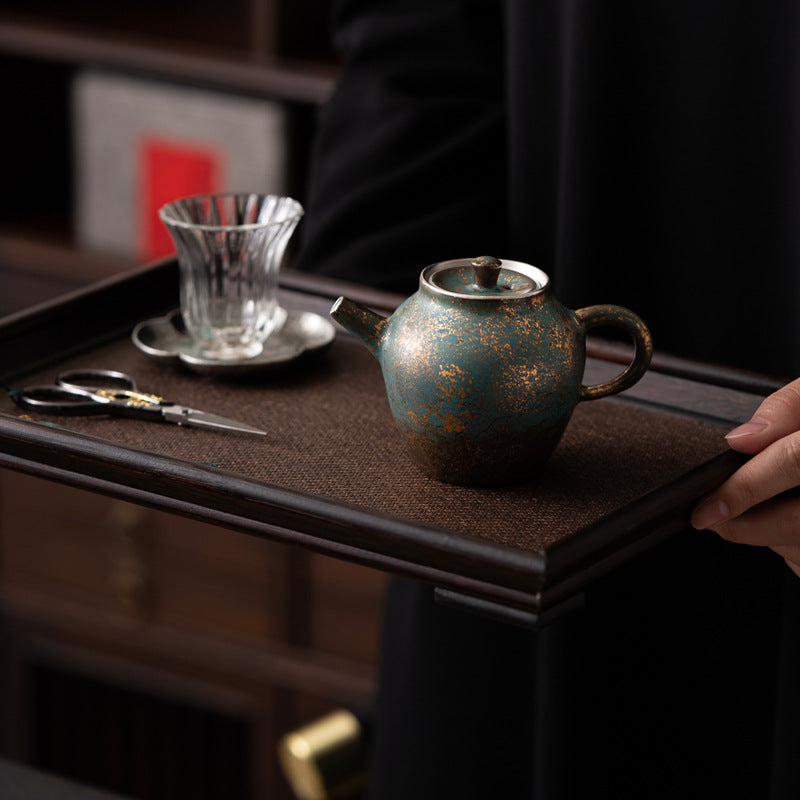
[591, 317]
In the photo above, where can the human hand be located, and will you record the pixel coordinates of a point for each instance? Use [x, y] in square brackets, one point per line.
[745, 508]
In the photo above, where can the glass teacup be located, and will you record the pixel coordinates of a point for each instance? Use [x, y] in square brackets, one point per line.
[230, 248]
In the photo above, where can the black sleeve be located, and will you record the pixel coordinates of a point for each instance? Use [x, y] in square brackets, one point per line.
[409, 164]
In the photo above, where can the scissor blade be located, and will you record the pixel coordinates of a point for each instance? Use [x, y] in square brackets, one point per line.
[202, 419]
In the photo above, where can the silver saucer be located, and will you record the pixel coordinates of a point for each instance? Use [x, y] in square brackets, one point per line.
[165, 338]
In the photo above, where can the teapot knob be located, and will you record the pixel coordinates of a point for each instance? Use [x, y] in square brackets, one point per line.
[486, 270]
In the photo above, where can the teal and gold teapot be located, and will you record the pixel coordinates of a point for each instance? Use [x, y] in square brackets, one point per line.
[483, 367]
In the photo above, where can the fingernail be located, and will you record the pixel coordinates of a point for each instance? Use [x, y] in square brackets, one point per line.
[708, 514]
[755, 425]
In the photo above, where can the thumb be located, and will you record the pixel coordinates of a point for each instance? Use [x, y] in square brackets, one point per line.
[776, 417]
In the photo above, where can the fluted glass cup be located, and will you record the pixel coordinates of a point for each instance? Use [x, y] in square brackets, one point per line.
[230, 248]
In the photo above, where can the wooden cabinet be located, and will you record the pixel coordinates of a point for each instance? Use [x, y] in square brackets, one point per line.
[127, 629]
[142, 565]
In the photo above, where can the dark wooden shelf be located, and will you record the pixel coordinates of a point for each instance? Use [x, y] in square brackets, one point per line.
[211, 66]
[298, 669]
[298, 28]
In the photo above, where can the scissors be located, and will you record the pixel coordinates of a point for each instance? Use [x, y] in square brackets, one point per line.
[86, 392]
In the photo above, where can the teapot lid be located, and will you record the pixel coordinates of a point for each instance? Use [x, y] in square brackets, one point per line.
[482, 278]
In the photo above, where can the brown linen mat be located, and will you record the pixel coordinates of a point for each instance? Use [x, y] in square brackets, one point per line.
[330, 433]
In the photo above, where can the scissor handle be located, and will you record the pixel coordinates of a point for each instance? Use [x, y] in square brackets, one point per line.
[106, 384]
[90, 380]
[58, 400]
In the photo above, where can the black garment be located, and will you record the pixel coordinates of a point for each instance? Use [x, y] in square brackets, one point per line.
[411, 157]
[641, 153]
[650, 691]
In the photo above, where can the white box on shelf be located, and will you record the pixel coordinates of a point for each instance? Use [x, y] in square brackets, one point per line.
[139, 144]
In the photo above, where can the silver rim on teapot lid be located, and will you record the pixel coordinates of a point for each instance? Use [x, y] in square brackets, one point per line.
[484, 278]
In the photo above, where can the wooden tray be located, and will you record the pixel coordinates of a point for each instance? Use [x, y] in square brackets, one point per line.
[333, 474]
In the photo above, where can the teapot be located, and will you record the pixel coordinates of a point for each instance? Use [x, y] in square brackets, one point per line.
[483, 367]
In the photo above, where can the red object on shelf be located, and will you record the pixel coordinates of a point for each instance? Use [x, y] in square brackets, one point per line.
[170, 169]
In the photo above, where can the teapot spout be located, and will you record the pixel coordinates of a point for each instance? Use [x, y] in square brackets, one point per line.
[361, 322]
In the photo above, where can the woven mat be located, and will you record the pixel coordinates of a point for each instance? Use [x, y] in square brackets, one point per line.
[331, 434]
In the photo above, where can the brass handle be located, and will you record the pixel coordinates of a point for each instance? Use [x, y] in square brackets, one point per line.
[129, 577]
[129, 581]
[325, 759]
[126, 518]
